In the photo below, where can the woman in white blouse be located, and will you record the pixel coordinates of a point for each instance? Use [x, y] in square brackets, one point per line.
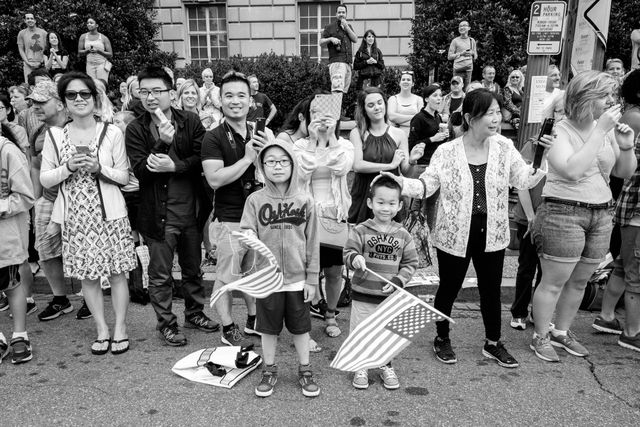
[474, 173]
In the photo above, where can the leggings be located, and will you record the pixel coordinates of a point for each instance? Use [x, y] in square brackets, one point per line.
[488, 265]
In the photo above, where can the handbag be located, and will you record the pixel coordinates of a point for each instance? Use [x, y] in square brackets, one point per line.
[108, 65]
[331, 232]
[416, 224]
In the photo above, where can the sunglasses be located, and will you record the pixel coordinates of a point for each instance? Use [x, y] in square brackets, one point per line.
[407, 72]
[71, 95]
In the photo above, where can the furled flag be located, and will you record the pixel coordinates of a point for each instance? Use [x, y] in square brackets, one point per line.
[260, 284]
[386, 332]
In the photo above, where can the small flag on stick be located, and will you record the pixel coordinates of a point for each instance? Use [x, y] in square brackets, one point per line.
[260, 284]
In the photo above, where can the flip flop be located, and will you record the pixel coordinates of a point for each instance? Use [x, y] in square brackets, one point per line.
[101, 352]
[122, 350]
[313, 346]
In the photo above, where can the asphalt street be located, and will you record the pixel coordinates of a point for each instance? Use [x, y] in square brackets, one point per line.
[65, 385]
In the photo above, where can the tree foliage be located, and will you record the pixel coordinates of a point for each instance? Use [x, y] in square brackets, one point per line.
[500, 28]
[128, 24]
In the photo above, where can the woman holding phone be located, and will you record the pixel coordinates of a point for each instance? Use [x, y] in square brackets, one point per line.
[324, 160]
[88, 161]
[97, 48]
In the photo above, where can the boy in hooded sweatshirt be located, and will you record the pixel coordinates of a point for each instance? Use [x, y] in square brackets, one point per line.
[282, 216]
[16, 198]
[385, 247]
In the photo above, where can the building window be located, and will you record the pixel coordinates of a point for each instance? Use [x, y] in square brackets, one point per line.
[313, 18]
[207, 27]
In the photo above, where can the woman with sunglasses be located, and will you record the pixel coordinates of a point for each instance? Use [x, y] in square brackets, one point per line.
[377, 147]
[404, 105]
[573, 224]
[87, 159]
[368, 61]
[512, 98]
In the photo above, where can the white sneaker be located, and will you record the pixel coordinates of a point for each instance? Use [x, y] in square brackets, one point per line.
[389, 377]
[519, 323]
[361, 379]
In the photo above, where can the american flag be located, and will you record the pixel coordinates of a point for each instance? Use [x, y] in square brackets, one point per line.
[260, 284]
[385, 333]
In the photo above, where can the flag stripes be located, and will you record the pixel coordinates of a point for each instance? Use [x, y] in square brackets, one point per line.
[260, 284]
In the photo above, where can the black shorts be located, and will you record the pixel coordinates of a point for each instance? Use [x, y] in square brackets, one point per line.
[330, 257]
[9, 277]
[279, 306]
[132, 199]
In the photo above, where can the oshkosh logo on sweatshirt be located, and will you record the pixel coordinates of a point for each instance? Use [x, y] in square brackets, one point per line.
[383, 247]
[284, 213]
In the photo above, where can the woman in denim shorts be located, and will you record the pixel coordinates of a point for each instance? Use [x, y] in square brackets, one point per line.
[573, 224]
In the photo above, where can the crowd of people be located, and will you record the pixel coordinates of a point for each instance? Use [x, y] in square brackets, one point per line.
[179, 168]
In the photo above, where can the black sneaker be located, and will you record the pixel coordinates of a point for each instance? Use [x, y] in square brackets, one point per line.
[84, 312]
[55, 310]
[200, 321]
[268, 381]
[172, 336]
[500, 354]
[250, 328]
[444, 352]
[318, 310]
[234, 337]
[4, 302]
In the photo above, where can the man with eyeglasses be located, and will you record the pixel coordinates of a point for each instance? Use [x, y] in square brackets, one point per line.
[163, 146]
[228, 155]
[463, 50]
[338, 37]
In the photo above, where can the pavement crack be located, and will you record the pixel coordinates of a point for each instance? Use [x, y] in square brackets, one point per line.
[592, 369]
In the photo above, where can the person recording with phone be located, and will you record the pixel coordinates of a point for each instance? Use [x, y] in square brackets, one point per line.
[164, 147]
[573, 224]
[338, 37]
[228, 155]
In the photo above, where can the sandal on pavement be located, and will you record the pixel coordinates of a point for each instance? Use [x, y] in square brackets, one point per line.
[100, 351]
[313, 346]
[122, 350]
[332, 329]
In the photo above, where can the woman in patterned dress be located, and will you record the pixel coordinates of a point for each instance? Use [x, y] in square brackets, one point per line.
[88, 161]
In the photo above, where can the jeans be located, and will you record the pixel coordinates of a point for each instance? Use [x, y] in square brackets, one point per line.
[465, 75]
[528, 264]
[186, 240]
[488, 265]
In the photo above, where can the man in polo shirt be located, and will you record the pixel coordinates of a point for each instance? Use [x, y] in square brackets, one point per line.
[228, 154]
[163, 145]
[338, 37]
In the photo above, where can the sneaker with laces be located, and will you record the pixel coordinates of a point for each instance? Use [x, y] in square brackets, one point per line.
[389, 377]
[443, 350]
[267, 382]
[4, 302]
[318, 310]
[607, 326]
[361, 379]
[200, 321]
[234, 337]
[500, 354]
[21, 350]
[172, 336]
[308, 384]
[543, 349]
[55, 310]
[250, 327]
[519, 323]
[570, 343]
[84, 312]
[632, 343]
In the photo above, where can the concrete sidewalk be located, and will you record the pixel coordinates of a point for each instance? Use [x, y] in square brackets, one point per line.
[65, 385]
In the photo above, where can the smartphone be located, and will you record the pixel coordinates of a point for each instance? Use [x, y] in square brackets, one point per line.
[547, 128]
[260, 124]
[83, 149]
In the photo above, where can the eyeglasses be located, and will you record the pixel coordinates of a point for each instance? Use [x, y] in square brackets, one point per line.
[514, 77]
[272, 163]
[71, 95]
[144, 93]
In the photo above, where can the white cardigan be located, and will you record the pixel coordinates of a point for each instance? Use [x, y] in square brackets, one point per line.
[114, 172]
[449, 171]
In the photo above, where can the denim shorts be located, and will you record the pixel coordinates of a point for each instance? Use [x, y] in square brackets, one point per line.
[567, 233]
[627, 265]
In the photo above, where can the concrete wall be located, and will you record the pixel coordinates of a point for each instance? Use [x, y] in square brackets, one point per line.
[258, 26]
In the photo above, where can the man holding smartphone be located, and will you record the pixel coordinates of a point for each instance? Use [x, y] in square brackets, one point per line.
[163, 146]
[338, 37]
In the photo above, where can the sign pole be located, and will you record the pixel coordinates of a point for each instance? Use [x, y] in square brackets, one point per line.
[567, 44]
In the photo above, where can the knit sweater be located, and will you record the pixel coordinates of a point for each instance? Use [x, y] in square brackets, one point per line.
[390, 253]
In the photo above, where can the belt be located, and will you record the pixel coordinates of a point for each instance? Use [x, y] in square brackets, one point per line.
[606, 205]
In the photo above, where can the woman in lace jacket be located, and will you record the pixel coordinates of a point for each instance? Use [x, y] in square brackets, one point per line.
[474, 173]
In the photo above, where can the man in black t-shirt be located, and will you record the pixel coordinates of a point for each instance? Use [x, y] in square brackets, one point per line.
[338, 37]
[228, 154]
[260, 103]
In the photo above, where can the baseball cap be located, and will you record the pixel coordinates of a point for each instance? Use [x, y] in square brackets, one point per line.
[44, 91]
[456, 79]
